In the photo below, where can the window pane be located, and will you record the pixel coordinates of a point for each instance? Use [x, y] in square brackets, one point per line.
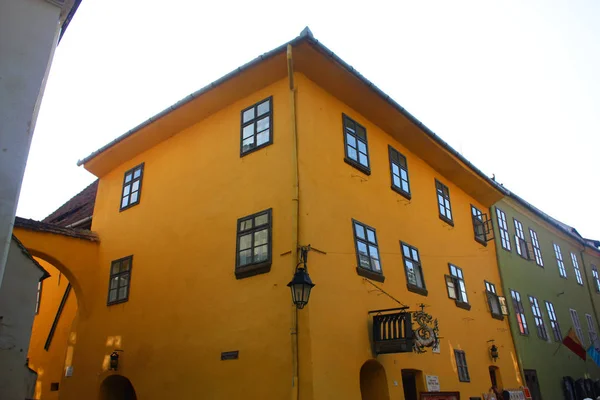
[128, 178]
[248, 115]
[451, 288]
[263, 107]
[373, 252]
[125, 202]
[362, 147]
[245, 257]
[415, 255]
[125, 264]
[248, 144]
[360, 231]
[364, 261]
[126, 190]
[115, 268]
[405, 186]
[137, 173]
[248, 131]
[371, 236]
[261, 237]
[404, 175]
[134, 197]
[114, 283]
[350, 140]
[405, 251]
[360, 132]
[262, 124]
[396, 181]
[363, 159]
[261, 219]
[463, 291]
[410, 273]
[262, 137]
[124, 280]
[112, 295]
[260, 253]
[352, 153]
[247, 224]
[122, 293]
[245, 241]
[362, 248]
[449, 214]
[136, 186]
[395, 169]
[376, 265]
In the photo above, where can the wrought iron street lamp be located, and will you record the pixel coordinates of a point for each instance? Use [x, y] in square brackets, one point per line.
[301, 285]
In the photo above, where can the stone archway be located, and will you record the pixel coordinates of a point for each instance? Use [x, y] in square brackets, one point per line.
[373, 381]
[117, 387]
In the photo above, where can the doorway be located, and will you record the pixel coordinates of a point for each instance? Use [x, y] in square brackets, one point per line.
[531, 380]
[373, 381]
[409, 384]
[117, 387]
[495, 377]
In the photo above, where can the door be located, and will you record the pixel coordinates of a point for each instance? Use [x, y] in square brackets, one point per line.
[409, 383]
[531, 380]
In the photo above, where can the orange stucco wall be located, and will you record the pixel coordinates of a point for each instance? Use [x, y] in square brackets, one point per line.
[49, 364]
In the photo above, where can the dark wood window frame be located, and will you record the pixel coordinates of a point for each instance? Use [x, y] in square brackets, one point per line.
[417, 267]
[398, 160]
[355, 136]
[128, 187]
[461, 366]
[537, 251]
[503, 228]
[493, 299]
[254, 267]
[121, 273]
[370, 272]
[538, 317]
[553, 321]
[596, 278]
[456, 287]
[479, 229]
[519, 313]
[443, 196]
[253, 121]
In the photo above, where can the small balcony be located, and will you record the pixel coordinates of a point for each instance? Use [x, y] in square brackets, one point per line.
[392, 331]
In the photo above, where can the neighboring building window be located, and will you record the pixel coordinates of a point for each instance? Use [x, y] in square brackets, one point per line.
[132, 187]
[443, 195]
[455, 283]
[494, 303]
[503, 227]
[479, 220]
[536, 248]
[553, 321]
[520, 243]
[413, 269]
[559, 260]
[367, 249]
[596, 278]
[538, 319]
[519, 312]
[38, 297]
[577, 325]
[257, 122]
[254, 244]
[592, 331]
[120, 280]
[576, 268]
[399, 171]
[461, 366]
[355, 141]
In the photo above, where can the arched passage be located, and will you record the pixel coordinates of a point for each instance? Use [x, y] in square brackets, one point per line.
[373, 381]
[117, 387]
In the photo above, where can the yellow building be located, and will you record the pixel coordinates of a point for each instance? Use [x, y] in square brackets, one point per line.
[185, 281]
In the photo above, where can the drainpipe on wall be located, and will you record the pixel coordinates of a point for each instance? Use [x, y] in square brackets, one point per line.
[514, 342]
[295, 220]
[581, 252]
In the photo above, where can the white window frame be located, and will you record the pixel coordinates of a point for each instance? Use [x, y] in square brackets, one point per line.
[576, 268]
[592, 331]
[559, 260]
[536, 248]
[596, 278]
[503, 228]
[553, 321]
[577, 325]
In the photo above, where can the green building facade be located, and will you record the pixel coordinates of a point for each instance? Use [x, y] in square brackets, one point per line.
[547, 282]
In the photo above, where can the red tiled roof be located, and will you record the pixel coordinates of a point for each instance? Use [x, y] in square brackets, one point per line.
[38, 226]
[81, 206]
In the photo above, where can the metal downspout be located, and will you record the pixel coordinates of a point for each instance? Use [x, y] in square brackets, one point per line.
[295, 220]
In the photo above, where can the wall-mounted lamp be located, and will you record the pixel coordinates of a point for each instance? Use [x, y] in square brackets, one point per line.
[301, 285]
[493, 350]
[114, 360]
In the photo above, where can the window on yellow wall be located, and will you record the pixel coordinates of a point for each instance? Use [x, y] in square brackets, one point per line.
[415, 281]
[481, 226]
[461, 366]
[120, 280]
[444, 208]
[495, 303]
[254, 234]
[257, 126]
[355, 144]
[132, 187]
[399, 172]
[455, 284]
[367, 251]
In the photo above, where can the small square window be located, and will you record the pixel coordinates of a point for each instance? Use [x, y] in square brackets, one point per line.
[356, 146]
[444, 208]
[367, 252]
[253, 244]
[120, 280]
[415, 281]
[461, 366]
[399, 172]
[132, 187]
[256, 126]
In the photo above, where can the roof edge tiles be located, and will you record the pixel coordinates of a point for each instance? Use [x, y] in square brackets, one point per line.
[33, 225]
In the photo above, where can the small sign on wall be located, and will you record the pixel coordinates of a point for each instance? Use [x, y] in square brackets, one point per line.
[433, 383]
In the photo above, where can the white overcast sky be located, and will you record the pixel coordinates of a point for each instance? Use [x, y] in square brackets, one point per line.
[514, 86]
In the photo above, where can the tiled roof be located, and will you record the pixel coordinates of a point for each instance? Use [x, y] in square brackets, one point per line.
[51, 228]
[81, 206]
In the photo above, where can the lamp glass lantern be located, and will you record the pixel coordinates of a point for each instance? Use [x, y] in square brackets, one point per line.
[301, 285]
[494, 352]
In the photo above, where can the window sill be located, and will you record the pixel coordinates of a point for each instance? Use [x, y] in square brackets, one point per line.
[401, 192]
[127, 207]
[463, 305]
[252, 150]
[499, 317]
[416, 289]
[358, 166]
[253, 269]
[113, 303]
[446, 220]
[481, 241]
[374, 276]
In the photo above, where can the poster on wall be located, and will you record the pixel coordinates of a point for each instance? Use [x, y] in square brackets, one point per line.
[433, 383]
[440, 396]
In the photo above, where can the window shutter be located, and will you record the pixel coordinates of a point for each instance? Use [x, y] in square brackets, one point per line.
[489, 227]
[503, 305]
[451, 286]
[493, 303]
